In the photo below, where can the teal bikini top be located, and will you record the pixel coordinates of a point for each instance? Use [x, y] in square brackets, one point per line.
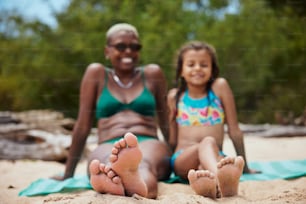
[107, 105]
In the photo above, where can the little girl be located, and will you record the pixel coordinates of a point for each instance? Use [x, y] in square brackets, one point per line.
[199, 107]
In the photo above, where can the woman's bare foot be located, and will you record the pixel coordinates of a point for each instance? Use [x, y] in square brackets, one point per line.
[125, 159]
[229, 172]
[203, 182]
[104, 180]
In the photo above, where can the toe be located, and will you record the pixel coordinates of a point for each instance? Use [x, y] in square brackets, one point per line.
[192, 175]
[111, 174]
[94, 167]
[116, 180]
[102, 167]
[115, 150]
[131, 139]
[113, 158]
[122, 143]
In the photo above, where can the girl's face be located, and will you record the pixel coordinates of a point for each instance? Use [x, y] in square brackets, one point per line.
[123, 50]
[197, 67]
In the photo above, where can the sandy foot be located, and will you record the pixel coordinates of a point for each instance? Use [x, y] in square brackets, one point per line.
[229, 172]
[203, 182]
[104, 180]
[125, 159]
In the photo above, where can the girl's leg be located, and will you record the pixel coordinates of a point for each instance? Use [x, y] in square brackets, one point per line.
[203, 182]
[209, 154]
[187, 160]
[228, 170]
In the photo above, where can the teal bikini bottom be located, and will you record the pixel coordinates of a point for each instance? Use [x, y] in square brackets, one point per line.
[140, 138]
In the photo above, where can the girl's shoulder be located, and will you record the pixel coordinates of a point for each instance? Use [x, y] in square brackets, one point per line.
[219, 86]
[220, 81]
[172, 93]
[171, 97]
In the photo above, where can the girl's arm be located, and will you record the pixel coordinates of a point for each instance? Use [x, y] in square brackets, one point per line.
[223, 90]
[171, 117]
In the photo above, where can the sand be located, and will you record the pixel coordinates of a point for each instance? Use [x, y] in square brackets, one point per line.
[17, 175]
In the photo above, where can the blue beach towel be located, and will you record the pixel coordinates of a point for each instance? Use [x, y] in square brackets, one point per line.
[46, 186]
[271, 170]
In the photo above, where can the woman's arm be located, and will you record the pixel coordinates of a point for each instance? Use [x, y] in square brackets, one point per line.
[171, 117]
[158, 82]
[87, 98]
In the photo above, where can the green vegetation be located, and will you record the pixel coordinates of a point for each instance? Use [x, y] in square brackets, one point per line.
[261, 50]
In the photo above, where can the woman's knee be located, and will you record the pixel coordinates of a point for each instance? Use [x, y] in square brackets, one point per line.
[101, 153]
[156, 159]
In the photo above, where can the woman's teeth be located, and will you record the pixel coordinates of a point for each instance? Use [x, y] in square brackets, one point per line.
[126, 60]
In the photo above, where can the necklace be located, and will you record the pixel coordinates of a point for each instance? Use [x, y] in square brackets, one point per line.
[119, 82]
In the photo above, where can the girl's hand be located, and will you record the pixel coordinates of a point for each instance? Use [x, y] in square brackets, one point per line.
[251, 171]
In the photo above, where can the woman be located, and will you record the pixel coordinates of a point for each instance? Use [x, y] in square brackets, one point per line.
[124, 99]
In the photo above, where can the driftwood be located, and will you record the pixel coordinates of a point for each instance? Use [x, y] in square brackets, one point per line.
[35, 144]
[39, 134]
[36, 134]
[46, 134]
[269, 130]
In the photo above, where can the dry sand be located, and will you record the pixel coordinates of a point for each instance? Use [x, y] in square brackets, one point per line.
[17, 175]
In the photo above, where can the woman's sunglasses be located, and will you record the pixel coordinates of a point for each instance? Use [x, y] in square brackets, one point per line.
[122, 46]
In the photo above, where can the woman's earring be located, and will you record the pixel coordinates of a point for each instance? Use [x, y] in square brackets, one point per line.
[107, 57]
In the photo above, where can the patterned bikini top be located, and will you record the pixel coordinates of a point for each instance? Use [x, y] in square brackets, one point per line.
[204, 111]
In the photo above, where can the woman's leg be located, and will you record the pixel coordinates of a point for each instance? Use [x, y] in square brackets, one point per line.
[125, 160]
[155, 164]
[102, 178]
[138, 165]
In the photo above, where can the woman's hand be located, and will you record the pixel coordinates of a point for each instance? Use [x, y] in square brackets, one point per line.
[58, 177]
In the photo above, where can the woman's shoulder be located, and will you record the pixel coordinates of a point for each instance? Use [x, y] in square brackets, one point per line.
[154, 76]
[95, 69]
[152, 70]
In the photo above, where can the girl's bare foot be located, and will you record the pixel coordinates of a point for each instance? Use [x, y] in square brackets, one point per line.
[125, 159]
[203, 182]
[229, 172]
[104, 180]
